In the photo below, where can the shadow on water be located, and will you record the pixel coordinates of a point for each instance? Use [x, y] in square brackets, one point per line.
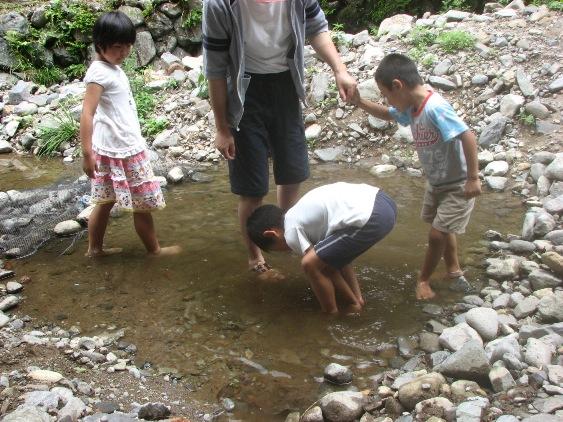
[204, 315]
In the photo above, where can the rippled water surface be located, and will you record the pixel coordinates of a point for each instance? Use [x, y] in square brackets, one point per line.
[203, 315]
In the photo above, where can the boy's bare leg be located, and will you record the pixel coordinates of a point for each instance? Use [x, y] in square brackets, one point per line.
[246, 206]
[350, 277]
[450, 255]
[97, 224]
[144, 226]
[322, 286]
[342, 288]
[434, 252]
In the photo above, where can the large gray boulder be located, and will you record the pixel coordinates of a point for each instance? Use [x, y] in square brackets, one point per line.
[342, 406]
[470, 362]
[421, 388]
[145, 50]
[13, 21]
[492, 133]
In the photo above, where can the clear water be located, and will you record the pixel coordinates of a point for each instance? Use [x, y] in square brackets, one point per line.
[203, 314]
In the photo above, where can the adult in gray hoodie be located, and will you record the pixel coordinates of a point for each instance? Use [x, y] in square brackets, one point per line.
[254, 61]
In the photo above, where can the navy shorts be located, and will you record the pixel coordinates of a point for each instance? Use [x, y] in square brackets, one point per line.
[342, 247]
[271, 126]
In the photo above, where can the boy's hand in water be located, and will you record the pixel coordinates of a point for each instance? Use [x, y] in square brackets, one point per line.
[89, 165]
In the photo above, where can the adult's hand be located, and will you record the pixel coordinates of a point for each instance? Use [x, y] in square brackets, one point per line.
[346, 85]
[225, 143]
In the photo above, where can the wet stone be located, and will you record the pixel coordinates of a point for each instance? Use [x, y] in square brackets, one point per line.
[338, 374]
[154, 411]
[432, 309]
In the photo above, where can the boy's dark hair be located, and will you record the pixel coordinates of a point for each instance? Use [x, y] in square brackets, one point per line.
[397, 66]
[113, 28]
[264, 218]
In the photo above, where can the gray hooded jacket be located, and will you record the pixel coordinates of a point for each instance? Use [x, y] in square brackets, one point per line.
[223, 47]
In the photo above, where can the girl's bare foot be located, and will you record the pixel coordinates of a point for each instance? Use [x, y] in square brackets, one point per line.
[167, 251]
[103, 252]
[424, 291]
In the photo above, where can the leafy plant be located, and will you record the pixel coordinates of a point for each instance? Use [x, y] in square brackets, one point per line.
[52, 137]
[46, 75]
[193, 18]
[202, 86]
[76, 71]
[337, 34]
[422, 36]
[172, 83]
[451, 41]
[154, 126]
[527, 119]
[328, 7]
[455, 4]
[148, 10]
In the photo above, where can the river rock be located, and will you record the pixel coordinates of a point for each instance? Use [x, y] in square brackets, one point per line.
[144, 48]
[496, 168]
[526, 307]
[463, 389]
[543, 157]
[496, 183]
[438, 407]
[442, 83]
[153, 411]
[501, 379]
[543, 224]
[470, 362]
[342, 406]
[338, 374]
[541, 279]
[554, 205]
[383, 170]
[484, 321]
[537, 109]
[319, 87]
[421, 388]
[537, 170]
[313, 132]
[521, 246]
[26, 413]
[455, 337]
[502, 269]
[44, 375]
[67, 228]
[554, 171]
[550, 308]
[496, 349]
[9, 302]
[175, 175]
[5, 147]
[538, 353]
[314, 414]
[330, 154]
[395, 25]
[510, 104]
[472, 409]
[492, 133]
[72, 410]
[554, 261]
[556, 85]
[165, 139]
[443, 67]
[542, 417]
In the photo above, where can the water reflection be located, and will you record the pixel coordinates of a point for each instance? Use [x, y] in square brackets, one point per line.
[205, 316]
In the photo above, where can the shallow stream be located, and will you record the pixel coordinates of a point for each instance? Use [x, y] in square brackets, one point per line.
[204, 316]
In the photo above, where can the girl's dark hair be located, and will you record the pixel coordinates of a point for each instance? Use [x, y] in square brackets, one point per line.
[113, 28]
[397, 66]
[264, 218]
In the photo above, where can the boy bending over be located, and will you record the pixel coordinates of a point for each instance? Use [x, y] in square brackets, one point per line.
[447, 151]
[329, 226]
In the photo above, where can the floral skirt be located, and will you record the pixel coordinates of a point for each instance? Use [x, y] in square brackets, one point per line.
[129, 182]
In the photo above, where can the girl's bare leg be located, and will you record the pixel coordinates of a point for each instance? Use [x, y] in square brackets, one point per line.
[144, 226]
[97, 225]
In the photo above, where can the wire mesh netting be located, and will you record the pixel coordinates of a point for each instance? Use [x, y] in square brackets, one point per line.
[28, 217]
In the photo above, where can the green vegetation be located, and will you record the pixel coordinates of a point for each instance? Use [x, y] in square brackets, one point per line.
[422, 36]
[192, 18]
[527, 119]
[202, 86]
[69, 26]
[52, 137]
[154, 126]
[144, 99]
[148, 9]
[451, 41]
[337, 34]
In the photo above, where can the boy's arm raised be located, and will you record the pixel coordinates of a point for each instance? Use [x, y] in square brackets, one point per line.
[377, 110]
[91, 100]
[473, 184]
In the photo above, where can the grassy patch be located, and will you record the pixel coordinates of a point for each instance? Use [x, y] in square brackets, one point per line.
[154, 126]
[51, 138]
[451, 41]
[527, 119]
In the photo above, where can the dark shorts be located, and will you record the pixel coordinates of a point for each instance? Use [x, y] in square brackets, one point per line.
[272, 125]
[342, 247]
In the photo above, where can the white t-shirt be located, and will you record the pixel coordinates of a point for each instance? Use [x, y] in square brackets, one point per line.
[266, 35]
[117, 132]
[325, 210]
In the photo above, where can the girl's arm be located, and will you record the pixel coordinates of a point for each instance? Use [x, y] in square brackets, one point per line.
[91, 100]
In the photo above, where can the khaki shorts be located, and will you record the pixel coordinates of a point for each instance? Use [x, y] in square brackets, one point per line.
[446, 208]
